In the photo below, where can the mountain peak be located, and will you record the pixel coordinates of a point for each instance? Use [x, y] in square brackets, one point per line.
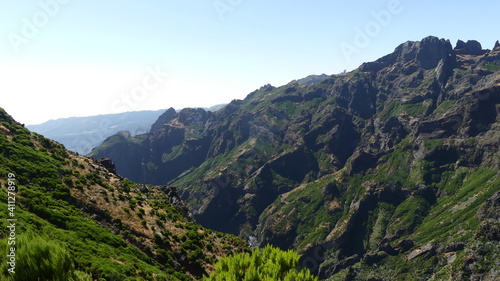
[425, 54]
[163, 119]
[471, 47]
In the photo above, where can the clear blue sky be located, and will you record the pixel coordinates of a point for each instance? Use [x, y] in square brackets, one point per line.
[86, 57]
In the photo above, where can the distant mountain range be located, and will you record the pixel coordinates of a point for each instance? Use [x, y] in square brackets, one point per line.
[387, 172]
[81, 134]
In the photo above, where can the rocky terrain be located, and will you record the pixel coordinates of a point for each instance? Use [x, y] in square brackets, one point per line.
[76, 219]
[387, 172]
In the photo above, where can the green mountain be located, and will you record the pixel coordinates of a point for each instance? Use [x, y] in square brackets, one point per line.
[387, 172]
[68, 217]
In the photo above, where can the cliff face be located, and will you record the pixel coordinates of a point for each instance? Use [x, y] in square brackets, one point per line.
[394, 164]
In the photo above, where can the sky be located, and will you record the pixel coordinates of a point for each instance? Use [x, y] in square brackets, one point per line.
[63, 58]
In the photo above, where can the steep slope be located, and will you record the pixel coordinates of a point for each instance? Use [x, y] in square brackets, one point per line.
[76, 219]
[390, 171]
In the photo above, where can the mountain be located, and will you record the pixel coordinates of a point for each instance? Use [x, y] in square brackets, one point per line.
[216, 107]
[313, 79]
[70, 217]
[387, 172]
[81, 134]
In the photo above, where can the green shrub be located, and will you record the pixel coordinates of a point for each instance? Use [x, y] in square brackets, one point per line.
[267, 264]
[38, 259]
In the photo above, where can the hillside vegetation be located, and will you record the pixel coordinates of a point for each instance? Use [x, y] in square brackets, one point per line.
[75, 219]
[387, 172]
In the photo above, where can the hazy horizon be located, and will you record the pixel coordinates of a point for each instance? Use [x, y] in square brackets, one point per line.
[64, 58]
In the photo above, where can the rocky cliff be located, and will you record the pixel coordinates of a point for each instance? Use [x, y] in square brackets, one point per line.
[390, 171]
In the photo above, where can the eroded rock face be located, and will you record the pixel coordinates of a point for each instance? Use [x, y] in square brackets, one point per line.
[108, 164]
[163, 119]
[326, 162]
[471, 47]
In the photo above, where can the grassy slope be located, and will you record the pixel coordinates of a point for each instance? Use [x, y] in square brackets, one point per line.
[110, 228]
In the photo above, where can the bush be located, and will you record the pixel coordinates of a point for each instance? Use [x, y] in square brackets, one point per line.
[269, 264]
[38, 259]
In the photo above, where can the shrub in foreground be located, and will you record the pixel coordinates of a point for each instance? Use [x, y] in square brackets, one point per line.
[268, 264]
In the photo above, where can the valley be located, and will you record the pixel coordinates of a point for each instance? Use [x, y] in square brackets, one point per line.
[387, 172]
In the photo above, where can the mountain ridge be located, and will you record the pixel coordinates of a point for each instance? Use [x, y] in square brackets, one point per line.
[82, 134]
[358, 166]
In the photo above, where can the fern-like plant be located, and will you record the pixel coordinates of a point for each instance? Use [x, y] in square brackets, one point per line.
[268, 264]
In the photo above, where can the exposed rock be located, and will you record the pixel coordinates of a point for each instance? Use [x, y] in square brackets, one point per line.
[328, 271]
[374, 257]
[372, 66]
[194, 116]
[453, 247]
[144, 189]
[404, 246]
[385, 246]
[450, 258]
[472, 47]
[497, 44]
[426, 249]
[163, 119]
[490, 209]
[489, 229]
[444, 70]
[361, 162]
[432, 50]
[108, 164]
[317, 93]
[406, 128]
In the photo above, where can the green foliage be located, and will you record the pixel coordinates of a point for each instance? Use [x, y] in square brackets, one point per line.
[389, 109]
[395, 107]
[457, 211]
[408, 215]
[445, 105]
[413, 109]
[378, 221]
[268, 264]
[38, 258]
[176, 151]
[289, 107]
[433, 144]
[491, 67]
[78, 247]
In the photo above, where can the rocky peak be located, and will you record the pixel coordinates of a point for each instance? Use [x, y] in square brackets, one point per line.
[426, 54]
[471, 47]
[194, 116]
[497, 45]
[163, 119]
[431, 50]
